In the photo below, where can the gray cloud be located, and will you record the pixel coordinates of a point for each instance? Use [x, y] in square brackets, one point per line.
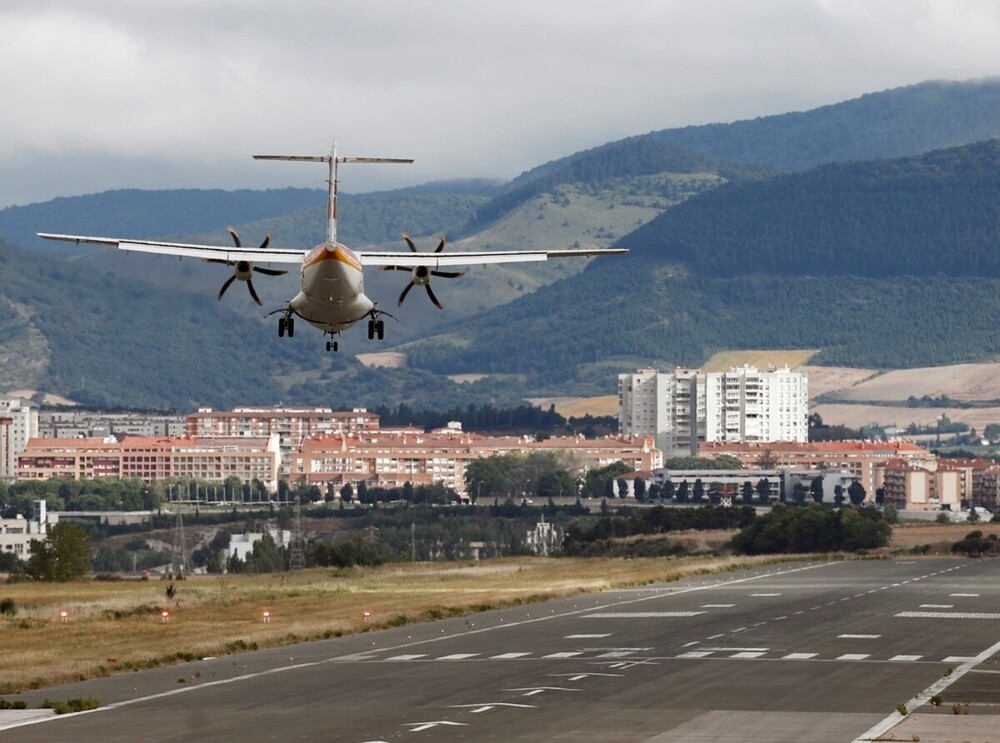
[106, 94]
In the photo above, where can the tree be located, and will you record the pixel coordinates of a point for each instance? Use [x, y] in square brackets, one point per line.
[816, 488]
[640, 489]
[838, 495]
[699, 490]
[799, 493]
[747, 492]
[856, 492]
[64, 556]
[346, 492]
[764, 491]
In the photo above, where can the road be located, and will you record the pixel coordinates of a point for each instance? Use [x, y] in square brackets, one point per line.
[800, 651]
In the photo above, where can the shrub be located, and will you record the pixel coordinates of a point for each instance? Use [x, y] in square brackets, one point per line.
[77, 704]
[8, 607]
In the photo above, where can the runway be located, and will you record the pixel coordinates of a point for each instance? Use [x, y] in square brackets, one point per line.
[800, 651]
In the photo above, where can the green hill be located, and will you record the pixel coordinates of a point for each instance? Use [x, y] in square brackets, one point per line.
[886, 264]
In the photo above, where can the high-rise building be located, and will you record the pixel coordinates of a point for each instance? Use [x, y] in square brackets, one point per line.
[685, 407]
[23, 426]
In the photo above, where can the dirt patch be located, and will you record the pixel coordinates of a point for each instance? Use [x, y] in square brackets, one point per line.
[908, 536]
[386, 360]
[963, 382]
[855, 416]
[760, 358]
[826, 379]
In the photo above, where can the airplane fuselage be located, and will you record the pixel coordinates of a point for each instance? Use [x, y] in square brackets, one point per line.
[332, 289]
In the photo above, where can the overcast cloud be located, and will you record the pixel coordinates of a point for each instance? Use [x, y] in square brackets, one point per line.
[103, 94]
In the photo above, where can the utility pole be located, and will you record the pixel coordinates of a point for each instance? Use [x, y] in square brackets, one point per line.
[182, 562]
[297, 554]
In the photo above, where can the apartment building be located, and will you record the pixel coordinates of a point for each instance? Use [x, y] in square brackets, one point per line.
[70, 424]
[857, 458]
[292, 425]
[23, 426]
[393, 458]
[209, 458]
[684, 408]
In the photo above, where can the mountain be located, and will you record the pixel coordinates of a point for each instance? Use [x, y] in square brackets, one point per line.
[882, 262]
[885, 264]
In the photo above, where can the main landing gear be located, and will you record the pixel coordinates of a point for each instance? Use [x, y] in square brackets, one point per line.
[376, 328]
[286, 324]
[331, 346]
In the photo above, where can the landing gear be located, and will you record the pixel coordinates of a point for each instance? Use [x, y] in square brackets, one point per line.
[376, 328]
[286, 324]
[331, 346]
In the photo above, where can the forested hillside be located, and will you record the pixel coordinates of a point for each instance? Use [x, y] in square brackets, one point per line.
[938, 213]
[886, 264]
[891, 123]
[296, 216]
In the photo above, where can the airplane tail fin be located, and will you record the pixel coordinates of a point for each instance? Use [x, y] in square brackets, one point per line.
[333, 160]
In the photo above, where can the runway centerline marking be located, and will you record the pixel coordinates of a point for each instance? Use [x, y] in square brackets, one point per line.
[859, 637]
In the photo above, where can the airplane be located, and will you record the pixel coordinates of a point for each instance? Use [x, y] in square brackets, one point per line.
[332, 294]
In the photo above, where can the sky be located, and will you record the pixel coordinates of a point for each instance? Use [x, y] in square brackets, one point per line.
[108, 94]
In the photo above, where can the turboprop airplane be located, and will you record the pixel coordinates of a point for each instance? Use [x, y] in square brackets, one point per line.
[332, 292]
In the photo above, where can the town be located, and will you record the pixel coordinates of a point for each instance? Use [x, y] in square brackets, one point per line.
[685, 437]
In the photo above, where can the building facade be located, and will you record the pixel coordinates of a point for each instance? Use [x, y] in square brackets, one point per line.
[17, 533]
[23, 426]
[389, 458]
[213, 459]
[685, 408]
[291, 425]
[859, 459]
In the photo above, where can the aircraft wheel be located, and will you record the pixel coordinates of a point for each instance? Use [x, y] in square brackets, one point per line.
[380, 329]
[371, 329]
[290, 322]
[281, 327]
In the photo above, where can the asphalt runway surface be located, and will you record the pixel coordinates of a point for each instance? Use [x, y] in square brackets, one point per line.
[794, 652]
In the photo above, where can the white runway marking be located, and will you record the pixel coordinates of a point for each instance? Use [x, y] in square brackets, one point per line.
[853, 656]
[696, 654]
[799, 656]
[412, 656]
[906, 658]
[937, 606]
[958, 659]
[966, 595]
[747, 654]
[859, 637]
[587, 637]
[458, 656]
[717, 606]
[567, 654]
[508, 656]
[765, 594]
[641, 614]
[948, 615]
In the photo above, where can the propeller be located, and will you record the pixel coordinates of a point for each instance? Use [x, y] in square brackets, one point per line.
[421, 275]
[244, 270]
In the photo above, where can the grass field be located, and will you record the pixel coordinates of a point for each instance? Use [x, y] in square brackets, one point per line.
[117, 626]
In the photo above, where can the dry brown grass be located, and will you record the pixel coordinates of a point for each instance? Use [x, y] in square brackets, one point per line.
[939, 536]
[117, 625]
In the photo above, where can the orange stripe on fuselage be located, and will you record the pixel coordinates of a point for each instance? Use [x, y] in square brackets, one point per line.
[340, 253]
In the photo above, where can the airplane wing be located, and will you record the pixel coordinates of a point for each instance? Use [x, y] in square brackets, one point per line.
[185, 250]
[437, 260]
